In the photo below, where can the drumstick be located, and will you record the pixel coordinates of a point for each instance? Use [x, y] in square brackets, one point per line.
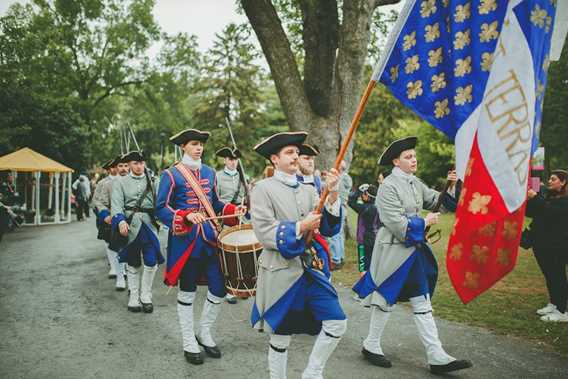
[222, 217]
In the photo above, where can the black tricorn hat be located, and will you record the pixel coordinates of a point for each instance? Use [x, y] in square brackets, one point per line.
[136, 156]
[116, 160]
[274, 143]
[189, 135]
[310, 150]
[227, 152]
[108, 164]
[395, 148]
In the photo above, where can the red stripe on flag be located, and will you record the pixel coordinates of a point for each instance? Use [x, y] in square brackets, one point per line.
[484, 244]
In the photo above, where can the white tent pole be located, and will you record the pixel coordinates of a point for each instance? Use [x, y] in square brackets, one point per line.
[38, 212]
[56, 176]
[68, 197]
[50, 191]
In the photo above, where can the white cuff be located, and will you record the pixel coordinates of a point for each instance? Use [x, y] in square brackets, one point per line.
[298, 234]
[333, 209]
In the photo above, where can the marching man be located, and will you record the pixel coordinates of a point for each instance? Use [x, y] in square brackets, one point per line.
[133, 216]
[294, 294]
[403, 267]
[188, 204]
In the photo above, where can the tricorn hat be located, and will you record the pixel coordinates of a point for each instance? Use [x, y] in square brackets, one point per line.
[227, 152]
[189, 135]
[136, 156]
[310, 150]
[274, 143]
[394, 149]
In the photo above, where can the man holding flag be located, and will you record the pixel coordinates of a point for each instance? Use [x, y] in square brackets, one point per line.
[477, 70]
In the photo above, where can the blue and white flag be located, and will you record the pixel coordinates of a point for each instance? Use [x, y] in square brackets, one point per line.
[477, 71]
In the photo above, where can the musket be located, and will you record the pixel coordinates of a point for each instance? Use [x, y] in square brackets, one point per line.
[241, 169]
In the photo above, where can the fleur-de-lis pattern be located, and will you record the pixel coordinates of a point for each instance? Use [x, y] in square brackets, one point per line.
[487, 6]
[478, 203]
[438, 82]
[463, 12]
[471, 280]
[462, 39]
[456, 251]
[414, 89]
[427, 8]
[489, 32]
[394, 73]
[435, 57]
[432, 32]
[409, 41]
[488, 230]
[463, 67]
[486, 61]
[463, 95]
[442, 109]
[412, 64]
[503, 256]
[458, 39]
[479, 254]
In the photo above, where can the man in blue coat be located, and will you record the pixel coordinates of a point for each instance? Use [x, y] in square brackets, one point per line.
[187, 203]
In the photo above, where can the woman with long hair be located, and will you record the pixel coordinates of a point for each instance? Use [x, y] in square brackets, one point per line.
[549, 237]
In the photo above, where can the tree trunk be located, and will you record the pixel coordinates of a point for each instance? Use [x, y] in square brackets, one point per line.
[325, 102]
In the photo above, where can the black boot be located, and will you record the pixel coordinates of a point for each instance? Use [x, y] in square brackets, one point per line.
[147, 307]
[450, 367]
[193, 358]
[211, 351]
[376, 359]
[135, 309]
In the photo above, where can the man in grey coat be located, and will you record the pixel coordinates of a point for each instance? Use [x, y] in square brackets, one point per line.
[102, 204]
[294, 293]
[403, 267]
[132, 209]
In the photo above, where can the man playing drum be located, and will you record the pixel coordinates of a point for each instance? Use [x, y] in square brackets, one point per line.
[187, 203]
[293, 294]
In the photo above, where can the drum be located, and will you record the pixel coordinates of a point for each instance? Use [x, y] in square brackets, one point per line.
[239, 250]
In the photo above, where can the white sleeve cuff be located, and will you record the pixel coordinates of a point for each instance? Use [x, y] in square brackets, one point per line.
[298, 234]
[333, 209]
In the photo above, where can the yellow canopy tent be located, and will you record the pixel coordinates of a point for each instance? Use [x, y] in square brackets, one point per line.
[38, 171]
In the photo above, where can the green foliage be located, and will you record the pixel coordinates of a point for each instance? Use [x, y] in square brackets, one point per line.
[75, 54]
[554, 132]
[233, 87]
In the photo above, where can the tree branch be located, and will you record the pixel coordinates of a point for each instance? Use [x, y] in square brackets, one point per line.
[109, 90]
[278, 53]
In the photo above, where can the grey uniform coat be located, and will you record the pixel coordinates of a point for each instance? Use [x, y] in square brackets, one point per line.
[274, 203]
[103, 192]
[126, 191]
[227, 186]
[400, 197]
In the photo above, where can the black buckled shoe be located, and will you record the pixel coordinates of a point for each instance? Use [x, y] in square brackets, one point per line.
[147, 307]
[211, 351]
[460, 364]
[193, 358]
[135, 309]
[376, 359]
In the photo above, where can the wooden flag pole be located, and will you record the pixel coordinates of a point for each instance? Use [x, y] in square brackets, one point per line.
[345, 145]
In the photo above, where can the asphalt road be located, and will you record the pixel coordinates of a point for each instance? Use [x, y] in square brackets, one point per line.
[61, 318]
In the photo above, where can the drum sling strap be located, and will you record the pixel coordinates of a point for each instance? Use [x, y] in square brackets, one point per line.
[194, 184]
